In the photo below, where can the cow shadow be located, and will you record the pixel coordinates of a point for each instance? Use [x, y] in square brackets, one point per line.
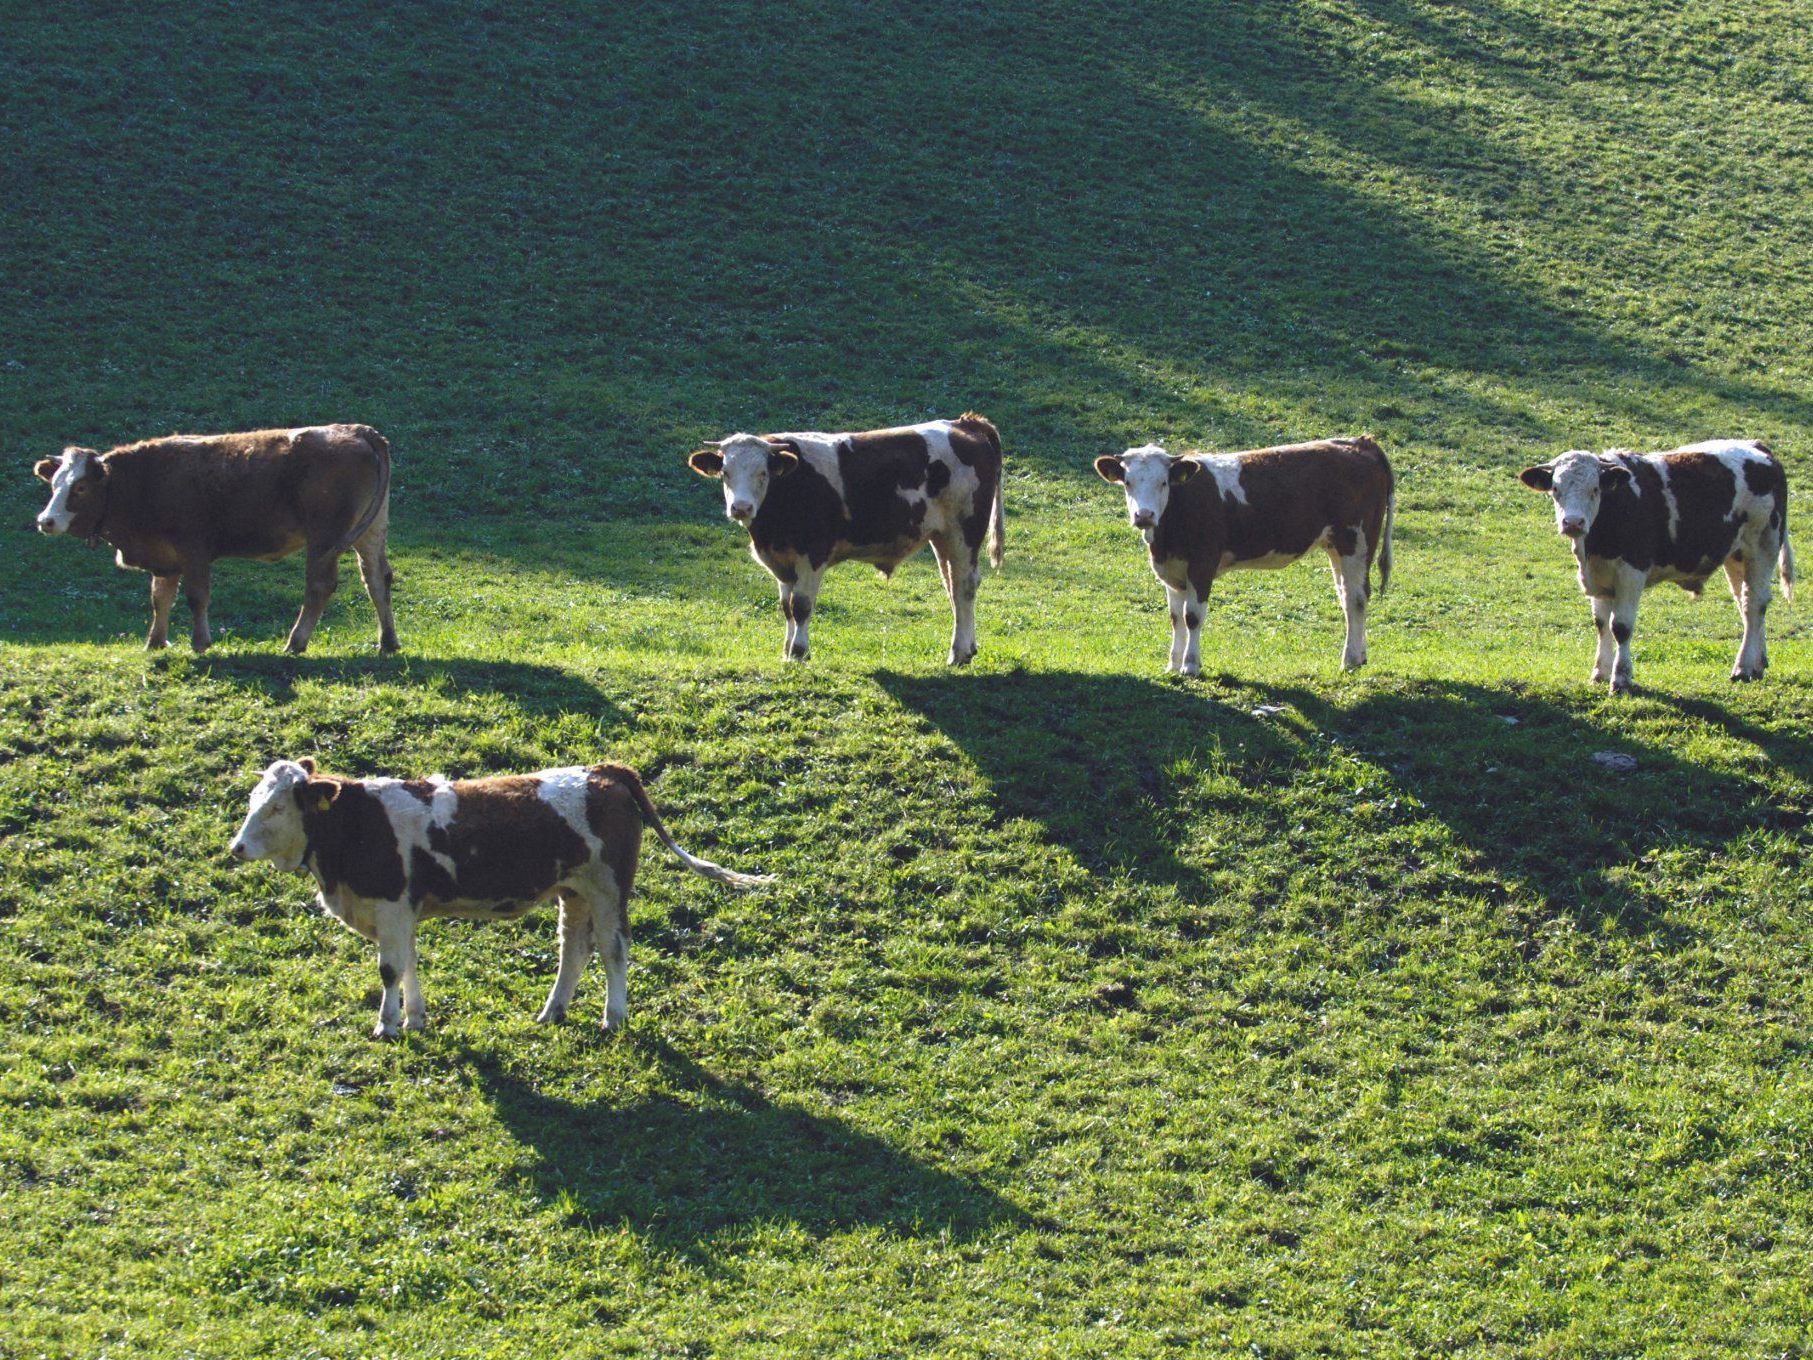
[1508, 773]
[709, 1154]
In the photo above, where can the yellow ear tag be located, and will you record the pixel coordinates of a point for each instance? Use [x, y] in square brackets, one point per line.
[322, 805]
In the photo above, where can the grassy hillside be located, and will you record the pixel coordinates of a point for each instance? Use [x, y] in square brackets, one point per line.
[1095, 1013]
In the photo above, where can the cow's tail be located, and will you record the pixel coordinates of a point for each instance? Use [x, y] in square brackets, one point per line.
[630, 780]
[380, 496]
[1786, 563]
[997, 515]
[1367, 444]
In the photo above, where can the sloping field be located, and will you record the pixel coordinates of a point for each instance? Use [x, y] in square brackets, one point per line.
[1095, 1013]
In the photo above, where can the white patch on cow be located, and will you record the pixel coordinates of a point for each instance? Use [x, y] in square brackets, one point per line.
[1225, 468]
[273, 826]
[1668, 498]
[72, 467]
[411, 820]
[565, 791]
[819, 451]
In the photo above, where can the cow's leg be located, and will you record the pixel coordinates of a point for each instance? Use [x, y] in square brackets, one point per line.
[575, 954]
[612, 922]
[415, 1010]
[323, 579]
[1628, 592]
[1353, 584]
[163, 596]
[797, 607]
[395, 923]
[1176, 600]
[1602, 628]
[374, 569]
[198, 587]
[1195, 609]
[961, 567]
[786, 589]
[1751, 584]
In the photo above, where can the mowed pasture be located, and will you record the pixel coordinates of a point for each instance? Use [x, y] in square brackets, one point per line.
[1095, 1012]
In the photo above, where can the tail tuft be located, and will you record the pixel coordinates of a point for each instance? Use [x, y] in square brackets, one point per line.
[1391, 514]
[624, 775]
[1786, 563]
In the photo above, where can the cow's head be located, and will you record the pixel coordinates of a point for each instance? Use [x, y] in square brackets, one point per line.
[78, 492]
[1147, 475]
[1578, 481]
[273, 829]
[746, 462]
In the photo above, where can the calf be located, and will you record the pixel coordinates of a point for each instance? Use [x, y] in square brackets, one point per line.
[1638, 519]
[810, 501]
[390, 853]
[174, 506]
[1208, 514]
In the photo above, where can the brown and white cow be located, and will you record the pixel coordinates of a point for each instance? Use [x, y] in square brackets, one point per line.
[174, 506]
[391, 853]
[811, 501]
[1203, 515]
[1636, 520]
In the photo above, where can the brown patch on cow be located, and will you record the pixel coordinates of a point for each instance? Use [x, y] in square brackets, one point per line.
[1621, 631]
[1294, 494]
[351, 841]
[1192, 619]
[507, 843]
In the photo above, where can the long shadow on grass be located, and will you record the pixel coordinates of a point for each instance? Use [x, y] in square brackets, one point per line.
[547, 689]
[710, 1154]
[1512, 776]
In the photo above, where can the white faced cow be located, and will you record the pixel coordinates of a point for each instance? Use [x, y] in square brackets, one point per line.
[174, 506]
[811, 501]
[1638, 519]
[390, 853]
[1205, 515]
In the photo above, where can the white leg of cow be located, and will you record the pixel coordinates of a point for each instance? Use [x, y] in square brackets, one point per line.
[1753, 599]
[799, 612]
[1195, 609]
[1624, 624]
[575, 953]
[612, 922]
[163, 596]
[1176, 600]
[395, 923]
[787, 618]
[1351, 571]
[1602, 629]
[374, 570]
[961, 567]
[198, 587]
[415, 1009]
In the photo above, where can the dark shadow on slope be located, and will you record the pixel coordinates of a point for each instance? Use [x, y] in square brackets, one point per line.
[1527, 799]
[711, 1155]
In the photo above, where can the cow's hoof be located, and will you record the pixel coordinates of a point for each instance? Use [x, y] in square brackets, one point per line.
[415, 1020]
[1623, 685]
[615, 1022]
[1599, 677]
[389, 648]
[383, 1031]
[796, 654]
[155, 644]
[551, 1016]
[1190, 670]
[1740, 675]
[961, 658]
[1349, 663]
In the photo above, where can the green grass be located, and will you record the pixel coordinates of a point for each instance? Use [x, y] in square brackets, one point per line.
[1277, 1013]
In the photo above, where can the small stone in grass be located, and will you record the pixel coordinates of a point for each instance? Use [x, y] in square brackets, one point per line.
[1616, 761]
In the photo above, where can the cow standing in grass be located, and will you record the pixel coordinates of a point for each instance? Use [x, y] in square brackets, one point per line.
[391, 853]
[1204, 515]
[174, 506]
[811, 501]
[1636, 520]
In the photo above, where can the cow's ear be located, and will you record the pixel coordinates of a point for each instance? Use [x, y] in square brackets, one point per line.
[707, 462]
[47, 468]
[1182, 469]
[308, 764]
[1612, 476]
[1110, 468]
[318, 795]
[1538, 478]
[782, 460]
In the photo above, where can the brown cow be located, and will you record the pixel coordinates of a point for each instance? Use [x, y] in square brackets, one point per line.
[173, 506]
[388, 854]
[1262, 508]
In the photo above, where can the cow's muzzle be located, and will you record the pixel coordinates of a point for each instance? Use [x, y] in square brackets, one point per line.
[238, 850]
[47, 524]
[1573, 528]
[1144, 519]
[742, 512]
